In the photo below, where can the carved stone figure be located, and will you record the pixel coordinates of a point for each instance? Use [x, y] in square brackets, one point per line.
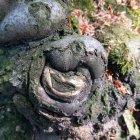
[56, 78]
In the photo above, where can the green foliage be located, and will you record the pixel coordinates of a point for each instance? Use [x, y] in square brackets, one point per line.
[74, 23]
[110, 2]
[135, 16]
[35, 9]
[119, 56]
[116, 7]
[85, 5]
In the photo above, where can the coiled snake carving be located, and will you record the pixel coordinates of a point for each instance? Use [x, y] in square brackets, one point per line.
[68, 70]
[60, 79]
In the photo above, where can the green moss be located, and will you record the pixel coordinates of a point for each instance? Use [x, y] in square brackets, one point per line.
[112, 111]
[41, 12]
[138, 81]
[105, 99]
[84, 5]
[119, 56]
[6, 66]
[1, 51]
[10, 119]
[62, 4]
[122, 58]
[95, 105]
[110, 2]
[74, 23]
[135, 16]
[116, 7]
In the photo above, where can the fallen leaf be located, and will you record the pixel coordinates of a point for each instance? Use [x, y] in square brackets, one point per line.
[118, 83]
[123, 90]
[69, 22]
[84, 27]
[120, 87]
[77, 13]
[108, 75]
[134, 4]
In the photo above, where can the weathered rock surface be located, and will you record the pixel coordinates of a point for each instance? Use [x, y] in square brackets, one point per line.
[29, 20]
